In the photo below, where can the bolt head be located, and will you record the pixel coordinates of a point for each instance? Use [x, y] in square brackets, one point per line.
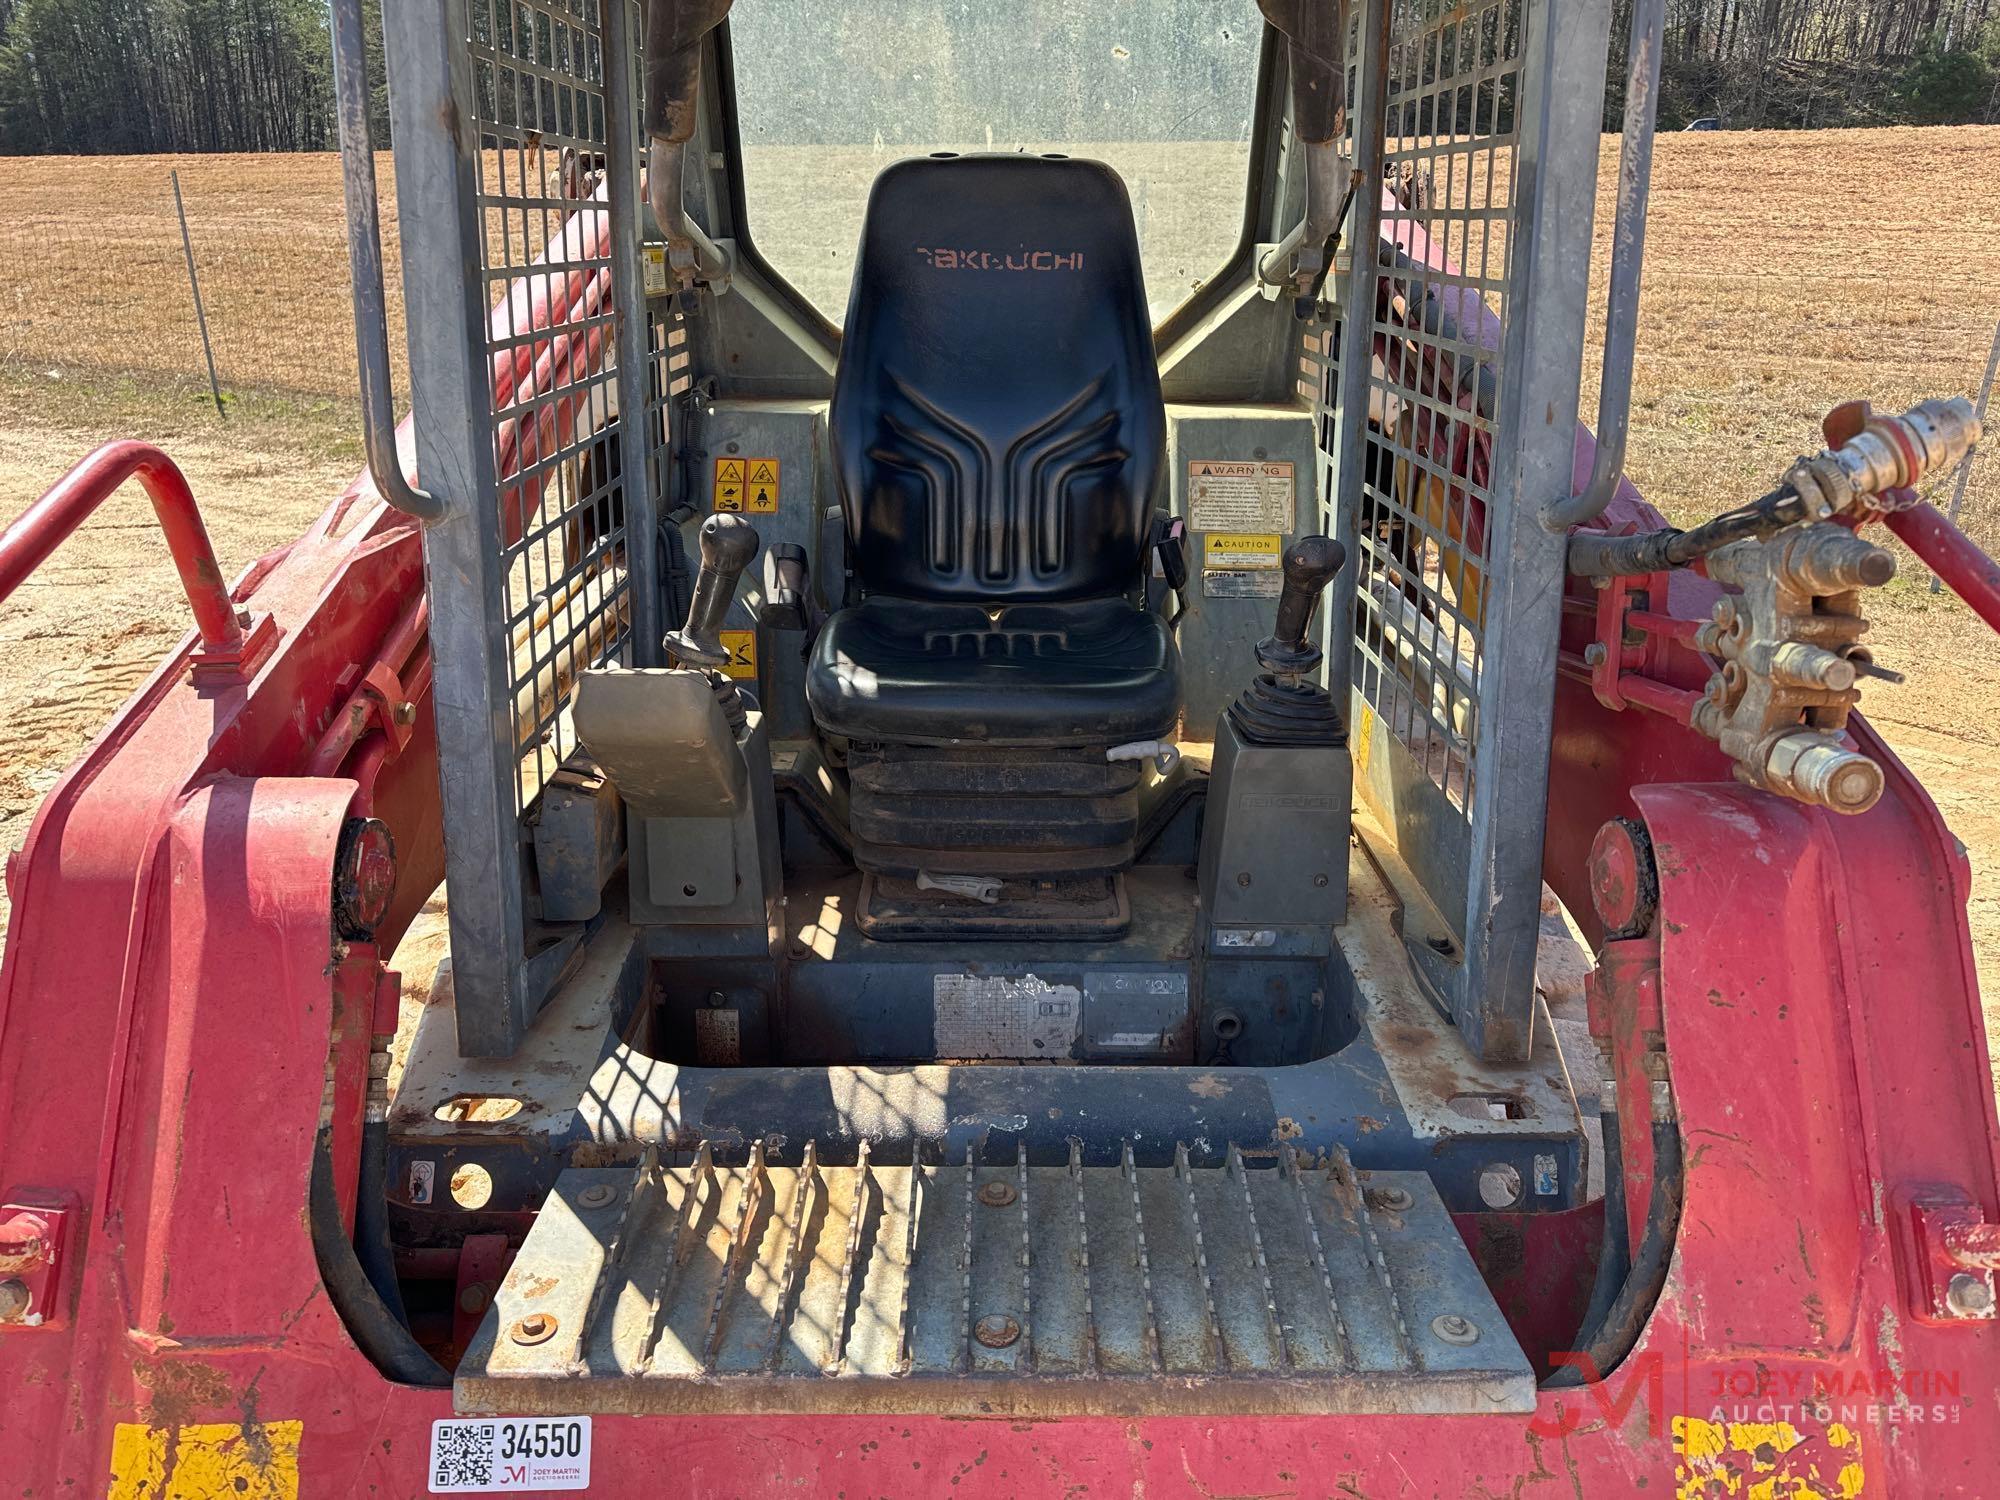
[997, 1194]
[535, 1328]
[596, 1195]
[996, 1330]
[1594, 654]
[24, 1241]
[1969, 1295]
[15, 1299]
[1319, 882]
[1394, 1199]
[1243, 878]
[474, 1298]
[1454, 1329]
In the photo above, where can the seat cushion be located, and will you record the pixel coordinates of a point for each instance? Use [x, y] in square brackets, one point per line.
[902, 671]
[996, 420]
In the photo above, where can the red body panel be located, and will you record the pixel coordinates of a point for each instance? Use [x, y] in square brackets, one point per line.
[171, 997]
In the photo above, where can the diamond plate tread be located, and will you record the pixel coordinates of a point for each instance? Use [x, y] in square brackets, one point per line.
[1257, 1284]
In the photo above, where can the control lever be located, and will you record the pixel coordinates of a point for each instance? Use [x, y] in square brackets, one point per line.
[728, 542]
[1309, 564]
[1282, 707]
[788, 602]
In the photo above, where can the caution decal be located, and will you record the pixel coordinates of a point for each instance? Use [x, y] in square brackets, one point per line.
[742, 648]
[746, 484]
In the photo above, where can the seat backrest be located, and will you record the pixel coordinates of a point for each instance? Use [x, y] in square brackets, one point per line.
[996, 416]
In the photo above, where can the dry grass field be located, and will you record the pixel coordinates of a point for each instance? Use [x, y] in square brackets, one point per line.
[1786, 272]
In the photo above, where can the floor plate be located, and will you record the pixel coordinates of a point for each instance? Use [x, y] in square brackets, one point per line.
[1255, 1284]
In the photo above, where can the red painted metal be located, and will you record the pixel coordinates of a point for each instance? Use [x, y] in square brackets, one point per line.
[1949, 1250]
[482, 1261]
[35, 1235]
[1966, 570]
[193, 1041]
[46, 524]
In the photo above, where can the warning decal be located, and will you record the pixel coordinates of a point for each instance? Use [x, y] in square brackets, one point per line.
[1241, 549]
[992, 1015]
[1241, 583]
[746, 484]
[742, 648]
[1253, 495]
[729, 484]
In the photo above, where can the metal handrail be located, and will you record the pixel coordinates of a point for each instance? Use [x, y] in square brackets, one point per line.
[1628, 251]
[49, 522]
[364, 254]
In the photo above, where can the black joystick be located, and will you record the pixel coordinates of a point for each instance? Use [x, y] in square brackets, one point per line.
[1282, 707]
[728, 542]
[1310, 564]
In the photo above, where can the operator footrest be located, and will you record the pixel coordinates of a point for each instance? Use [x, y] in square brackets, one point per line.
[1259, 1284]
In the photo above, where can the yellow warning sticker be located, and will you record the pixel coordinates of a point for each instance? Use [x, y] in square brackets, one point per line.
[257, 1460]
[742, 648]
[729, 484]
[1241, 549]
[746, 484]
[762, 484]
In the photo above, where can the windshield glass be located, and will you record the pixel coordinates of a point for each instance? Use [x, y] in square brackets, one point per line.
[831, 91]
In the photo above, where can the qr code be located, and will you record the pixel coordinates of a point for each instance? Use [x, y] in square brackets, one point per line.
[462, 1455]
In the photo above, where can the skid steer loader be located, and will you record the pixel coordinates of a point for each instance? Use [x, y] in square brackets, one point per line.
[999, 633]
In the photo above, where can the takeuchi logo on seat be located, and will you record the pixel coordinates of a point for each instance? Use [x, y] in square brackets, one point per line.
[1001, 260]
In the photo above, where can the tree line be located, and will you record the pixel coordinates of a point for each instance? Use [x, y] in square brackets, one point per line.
[122, 76]
[1808, 64]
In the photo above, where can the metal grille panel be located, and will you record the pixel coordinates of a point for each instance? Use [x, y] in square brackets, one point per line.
[1438, 321]
[545, 257]
[1447, 419]
[517, 165]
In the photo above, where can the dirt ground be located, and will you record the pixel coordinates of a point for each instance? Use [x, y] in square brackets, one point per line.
[1772, 292]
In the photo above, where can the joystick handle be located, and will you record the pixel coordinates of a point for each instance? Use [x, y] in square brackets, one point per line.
[1309, 565]
[728, 542]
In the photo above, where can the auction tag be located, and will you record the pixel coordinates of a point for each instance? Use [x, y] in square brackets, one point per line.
[482, 1455]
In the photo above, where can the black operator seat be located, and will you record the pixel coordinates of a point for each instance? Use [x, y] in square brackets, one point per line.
[999, 440]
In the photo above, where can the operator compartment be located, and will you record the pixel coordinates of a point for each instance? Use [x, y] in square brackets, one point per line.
[949, 958]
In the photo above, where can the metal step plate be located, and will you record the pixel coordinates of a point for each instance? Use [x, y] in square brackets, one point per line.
[1260, 1285]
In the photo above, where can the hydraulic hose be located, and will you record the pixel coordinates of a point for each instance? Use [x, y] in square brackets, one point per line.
[1614, 1259]
[379, 1332]
[1612, 1338]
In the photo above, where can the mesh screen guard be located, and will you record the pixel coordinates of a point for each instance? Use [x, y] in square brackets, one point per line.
[1443, 427]
[540, 378]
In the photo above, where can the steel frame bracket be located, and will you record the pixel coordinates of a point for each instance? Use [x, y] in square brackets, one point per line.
[35, 1229]
[1949, 1251]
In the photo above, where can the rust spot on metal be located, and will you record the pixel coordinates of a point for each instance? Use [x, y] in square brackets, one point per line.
[535, 1328]
[996, 1330]
[183, 1389]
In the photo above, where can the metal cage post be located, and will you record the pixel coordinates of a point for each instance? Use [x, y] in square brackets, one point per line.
[518, 194]
[1460, 369]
